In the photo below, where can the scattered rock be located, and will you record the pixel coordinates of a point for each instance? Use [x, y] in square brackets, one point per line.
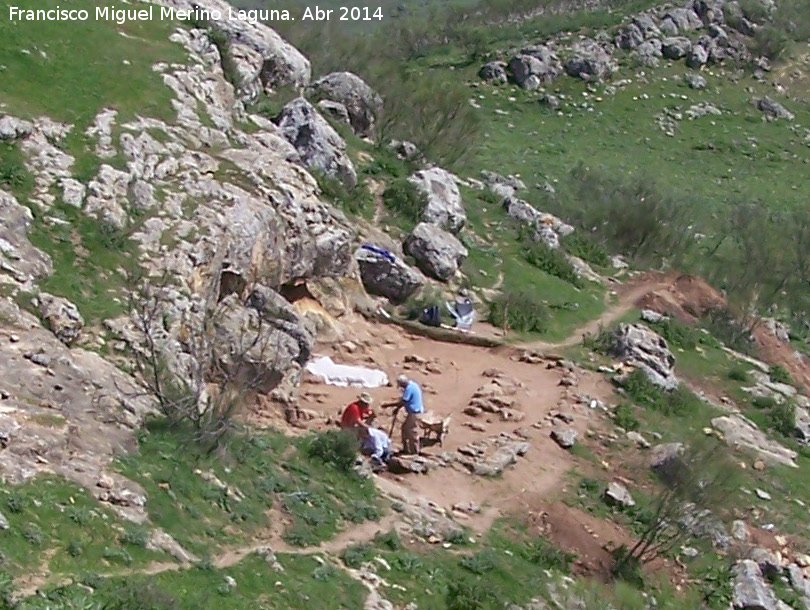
[638, 439]
[438, 253]
[739, 431]
[161, 541]
[493, 72]
[739, 530]
[649, 53]
[444, 208]
[676, 47]
[762, 495]
[750, 592]
[60, 315]
[641, 347]
[618, 495]
[589, 61]
[774, 109]
[4, 525]
[695, 81]
[564, 436]
[665, 457]
[534, 66]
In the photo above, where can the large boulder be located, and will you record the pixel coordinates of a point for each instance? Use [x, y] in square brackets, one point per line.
[385, 275]
[684, 20]
[255, 348]
[649, 53]
[750, 591]
[534, 66]
[589, 61]
[60, 315]
[361, 101]
[676, 47]
[774, 109]
[647, 350]
[263, 60]
[444, 208]
[437, 252]
[740, 432]
[318, 144]
[697, 57]
[629, 37]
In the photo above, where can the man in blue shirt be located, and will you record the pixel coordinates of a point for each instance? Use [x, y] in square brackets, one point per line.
[411, 400]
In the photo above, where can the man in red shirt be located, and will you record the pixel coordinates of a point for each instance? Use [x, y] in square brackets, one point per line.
[358, 413]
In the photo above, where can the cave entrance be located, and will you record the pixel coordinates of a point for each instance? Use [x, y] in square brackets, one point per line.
[230, 282]
[295, 290]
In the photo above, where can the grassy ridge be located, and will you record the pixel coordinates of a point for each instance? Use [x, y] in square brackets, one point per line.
[70, 70]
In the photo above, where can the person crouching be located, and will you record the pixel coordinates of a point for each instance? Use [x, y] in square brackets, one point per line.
[376, 444]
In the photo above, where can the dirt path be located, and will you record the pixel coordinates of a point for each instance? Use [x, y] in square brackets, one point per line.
[627, 301]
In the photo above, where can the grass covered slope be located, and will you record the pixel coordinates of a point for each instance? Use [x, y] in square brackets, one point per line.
[71, 70]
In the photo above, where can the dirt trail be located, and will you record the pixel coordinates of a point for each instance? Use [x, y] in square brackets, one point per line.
[628, 297]
[453, 371]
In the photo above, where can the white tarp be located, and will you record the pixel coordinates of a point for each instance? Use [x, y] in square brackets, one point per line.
[345, 374]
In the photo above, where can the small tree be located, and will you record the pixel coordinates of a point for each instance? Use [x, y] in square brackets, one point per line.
[202, 366]
[694, 483]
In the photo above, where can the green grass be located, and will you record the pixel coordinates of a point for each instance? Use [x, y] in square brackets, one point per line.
[303, 583]
[269, 470]
[58, 524]
[87, 261]
[71, 70]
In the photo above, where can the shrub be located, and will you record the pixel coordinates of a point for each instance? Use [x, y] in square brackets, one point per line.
[521, 311]
[587, 248]
[119, 555]
[632, 216]
[739, 372]
[680, 401]
[779, 374]
[335, 447]
[138, 596]
[471, 595]
[603, 341]
[769, 42]
[389, 540]
[13, 173]
[481, 562]
[783, 418]
[405, 199]
[723, 325]
[754, 10]
[552, 261]
[138, 536]
[542, 553]
[408, 562]
[624, 417]
[764, 402]
[355, 201]
[356, 555]
[677, 333]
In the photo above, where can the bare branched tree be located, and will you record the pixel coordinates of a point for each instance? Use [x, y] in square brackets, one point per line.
[695, 483]
[202, 367]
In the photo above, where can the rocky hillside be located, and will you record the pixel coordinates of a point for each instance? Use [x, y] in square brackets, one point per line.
[192, 217]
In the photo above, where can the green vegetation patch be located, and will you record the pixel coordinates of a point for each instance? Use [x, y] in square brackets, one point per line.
[60, 525]
[229, 495]
[71, 70]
